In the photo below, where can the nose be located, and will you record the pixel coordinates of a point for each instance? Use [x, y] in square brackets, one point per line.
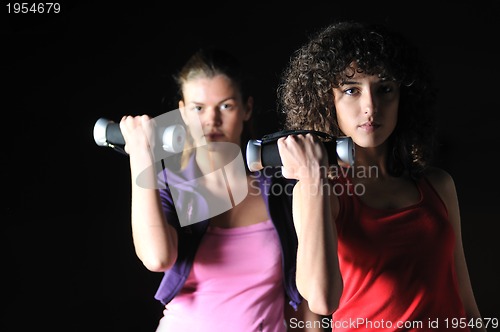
[211, 117]
[369, 104]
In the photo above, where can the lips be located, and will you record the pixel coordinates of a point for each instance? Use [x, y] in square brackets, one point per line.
[369, 126]
[214, 135]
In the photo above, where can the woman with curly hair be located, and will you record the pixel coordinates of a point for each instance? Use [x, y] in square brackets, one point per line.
[380, 243]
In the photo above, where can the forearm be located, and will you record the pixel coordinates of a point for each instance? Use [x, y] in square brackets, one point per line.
[318, 275]
[154, 239]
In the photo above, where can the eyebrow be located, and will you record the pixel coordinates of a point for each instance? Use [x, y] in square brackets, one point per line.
[382, 80]
[349, 83]
[219, 102]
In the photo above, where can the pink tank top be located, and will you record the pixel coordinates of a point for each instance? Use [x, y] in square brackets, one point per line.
[235, 284]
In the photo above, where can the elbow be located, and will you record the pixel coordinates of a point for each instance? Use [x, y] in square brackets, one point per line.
[324, 306]
[321, 309]
[325, 302]
[159, 264]
[158, 257]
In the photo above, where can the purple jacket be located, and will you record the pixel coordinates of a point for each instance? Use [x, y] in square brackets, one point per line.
[279, 208]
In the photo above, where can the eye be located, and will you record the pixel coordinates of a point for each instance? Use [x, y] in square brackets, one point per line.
[196, 108]
[226, 106]
[387, 88]
[350, 91]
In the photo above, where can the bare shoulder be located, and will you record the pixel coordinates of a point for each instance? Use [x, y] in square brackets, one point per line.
[438, 176]
[442, 182]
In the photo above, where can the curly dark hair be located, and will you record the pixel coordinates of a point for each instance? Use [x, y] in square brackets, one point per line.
[306, 89]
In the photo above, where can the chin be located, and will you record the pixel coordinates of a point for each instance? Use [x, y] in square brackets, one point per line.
[215, 146]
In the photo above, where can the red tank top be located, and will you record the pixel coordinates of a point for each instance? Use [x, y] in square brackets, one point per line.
[397, 265]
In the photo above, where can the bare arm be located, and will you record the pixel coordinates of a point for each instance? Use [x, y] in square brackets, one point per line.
[445, 186]
[318, 276]
[154, 239]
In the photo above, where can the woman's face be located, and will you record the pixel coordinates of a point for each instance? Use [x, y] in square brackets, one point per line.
[367, 109]
[216, 104]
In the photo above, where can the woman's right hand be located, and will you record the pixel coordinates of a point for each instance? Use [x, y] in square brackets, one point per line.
[303, 157]
[137, 132]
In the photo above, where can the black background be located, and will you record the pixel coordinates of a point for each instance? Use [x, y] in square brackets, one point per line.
[69, 262]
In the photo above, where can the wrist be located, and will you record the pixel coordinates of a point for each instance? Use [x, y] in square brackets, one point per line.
[313, 185]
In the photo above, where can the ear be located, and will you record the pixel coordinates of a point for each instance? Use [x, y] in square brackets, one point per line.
[249, 109]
